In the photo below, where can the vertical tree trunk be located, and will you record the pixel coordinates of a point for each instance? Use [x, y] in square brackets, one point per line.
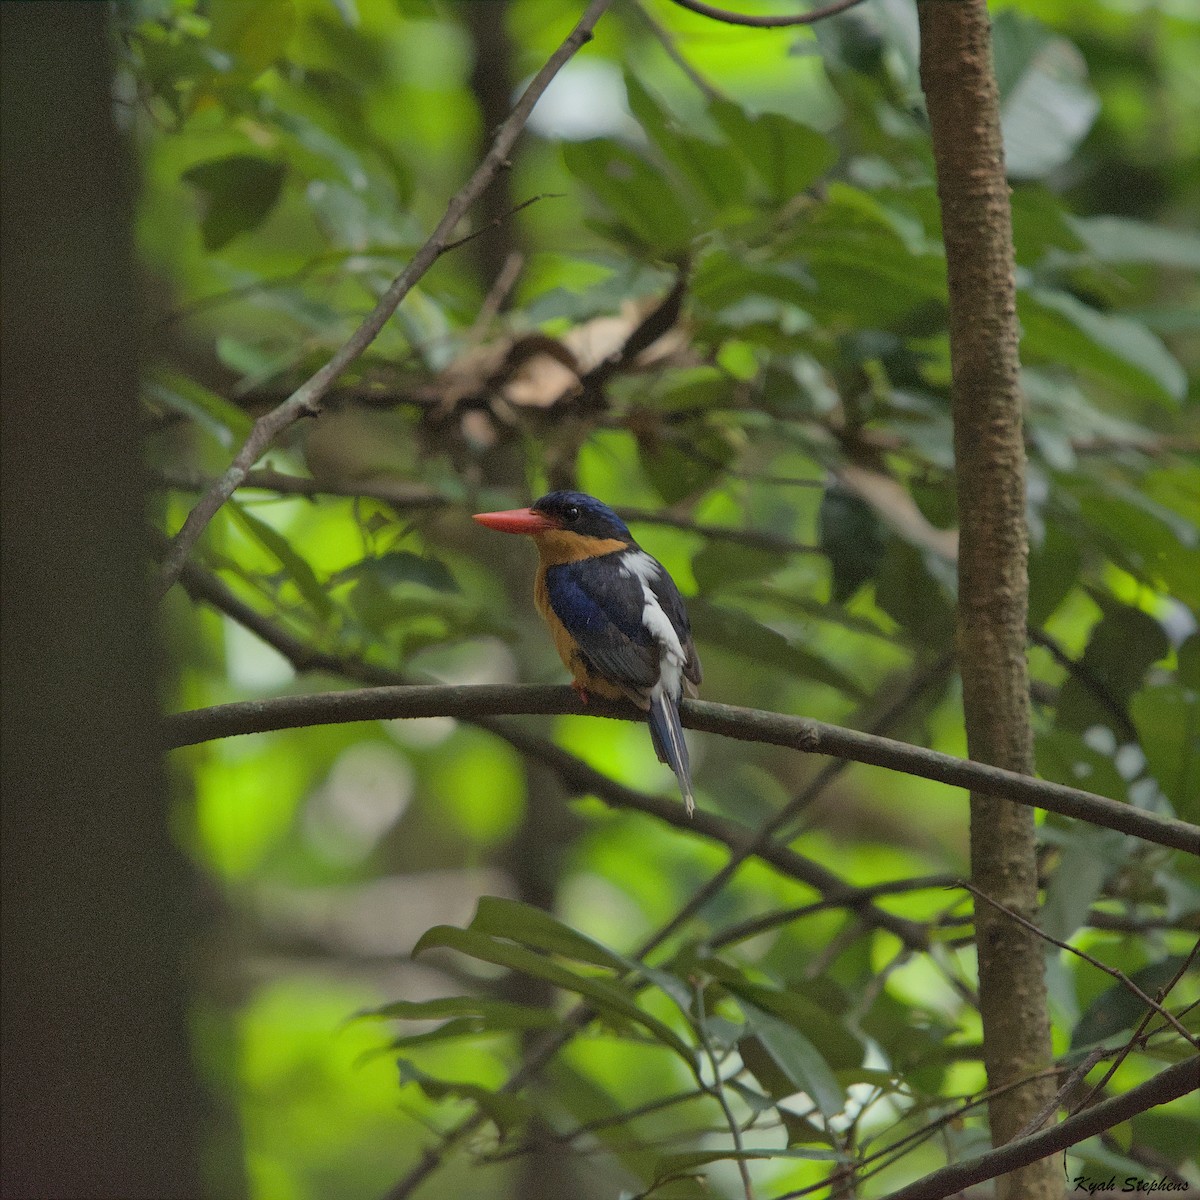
[100, 1099]
[963, 103]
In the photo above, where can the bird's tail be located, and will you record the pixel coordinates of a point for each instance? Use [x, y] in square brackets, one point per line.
[667, 735]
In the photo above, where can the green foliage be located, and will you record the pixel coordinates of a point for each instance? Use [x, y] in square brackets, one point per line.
[293, 154]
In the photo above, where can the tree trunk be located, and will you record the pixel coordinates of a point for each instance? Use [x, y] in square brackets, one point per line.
[963, 103]
[100, 1099]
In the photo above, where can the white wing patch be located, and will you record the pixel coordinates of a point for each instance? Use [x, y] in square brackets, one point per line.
[638, 564]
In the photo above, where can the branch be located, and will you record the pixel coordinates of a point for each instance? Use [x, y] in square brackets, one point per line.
[404, 495]
[398, 493]
[707, 89]
[305, 401]
[745, 724]
[785, 916]
[1164, 1087]
[574, 772]
[717, 1089]
[768, 22]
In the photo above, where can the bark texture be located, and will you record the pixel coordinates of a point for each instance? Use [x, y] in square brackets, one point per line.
[100, 1098]
[964, 115]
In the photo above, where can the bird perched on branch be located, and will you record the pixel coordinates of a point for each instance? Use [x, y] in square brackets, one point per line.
[616, 616]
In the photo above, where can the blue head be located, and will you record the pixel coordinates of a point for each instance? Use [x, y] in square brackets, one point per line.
[578, 513]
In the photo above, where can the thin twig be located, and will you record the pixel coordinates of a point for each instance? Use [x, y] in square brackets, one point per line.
[1119, 976]
[1072, 1081]
[717, 1090]
[893, 1152]
[306, 400]
[329, 258]
[1139, 1034]
[887, 1156]
[766, 22]
[1088, 681]
[752, 928]
[709, 90]
[756, 538]
[498, 293]
[496, 222]
[566, 1137]
[399, 494]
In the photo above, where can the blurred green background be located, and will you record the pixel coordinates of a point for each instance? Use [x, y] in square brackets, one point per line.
[784, 448]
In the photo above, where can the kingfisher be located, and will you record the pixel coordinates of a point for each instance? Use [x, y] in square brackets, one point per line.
[616, 617]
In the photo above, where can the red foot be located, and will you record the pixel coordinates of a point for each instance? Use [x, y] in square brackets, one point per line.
[581, 691]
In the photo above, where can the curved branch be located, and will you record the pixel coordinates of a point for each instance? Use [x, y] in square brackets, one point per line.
[745, 724]
[1164, 1087]
[777, 21]
[305, 401]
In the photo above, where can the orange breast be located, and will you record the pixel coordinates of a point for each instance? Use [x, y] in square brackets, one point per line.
[557, 546]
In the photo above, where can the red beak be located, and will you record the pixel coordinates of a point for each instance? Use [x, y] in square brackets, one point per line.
[517, 520]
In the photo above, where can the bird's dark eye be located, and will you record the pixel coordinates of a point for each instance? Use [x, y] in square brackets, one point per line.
[571, 512]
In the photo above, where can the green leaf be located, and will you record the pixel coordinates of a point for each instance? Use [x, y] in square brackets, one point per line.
[633, 192]
[852, 538]
[1118, 240]
[1117, 1008]
[786, 156]
[504, 1110]
[1064, 757]
[715, 176]
[403, 566]
[483, 1012]
[740, 634]
[1091, 855]
[609, 997]
[582, 1098]
[690, 389]
[793, 1054]
[239, 193]
[1053, 572]
[1116, 351]
[225, 421]
[839, 1048]
[1123, 645]
[1041, 224]
[538, 930]
[909, 593]
[681, 471]
[294, 566]
[1149, 540]
[253, 33]
[1167, 718]
[728, 565]
[870, 270]
[1046, 105]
